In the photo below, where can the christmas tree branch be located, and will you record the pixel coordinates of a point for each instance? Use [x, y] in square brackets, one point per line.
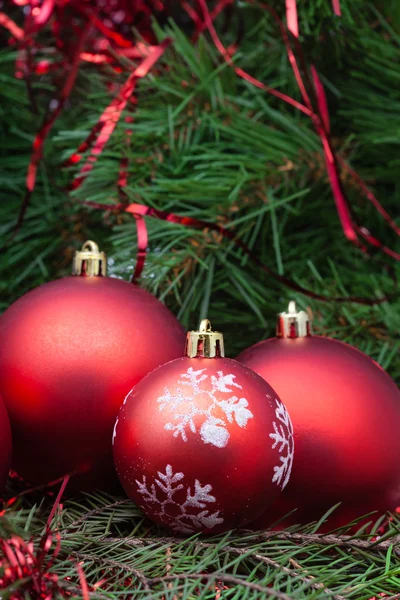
[223, 578]
[97, 511]
[148, 583]
[247, 552]
[106, 562]
[319, 539]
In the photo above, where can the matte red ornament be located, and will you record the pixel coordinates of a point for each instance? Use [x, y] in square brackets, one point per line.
[70, 351]
[346, 417]
[203, 443]
[5, 445]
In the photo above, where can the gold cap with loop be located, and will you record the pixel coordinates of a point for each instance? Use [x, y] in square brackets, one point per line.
[293, 323]
[89, 261]
[204, 343]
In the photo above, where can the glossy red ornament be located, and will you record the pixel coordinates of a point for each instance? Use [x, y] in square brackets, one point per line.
[70, 351]
[5, 445]
[346, 417]
[203, 443]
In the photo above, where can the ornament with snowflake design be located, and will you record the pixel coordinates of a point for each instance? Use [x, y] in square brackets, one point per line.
[203, 444]
[185, 512]
[223, 406]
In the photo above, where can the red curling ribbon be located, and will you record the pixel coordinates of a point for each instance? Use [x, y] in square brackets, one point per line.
[101, 51]
[344, 213]
[336, 8]
[48, 123]
[141, 226]
[246, 76]
[28, 571]
[340, 200]
[291, 17]
[12, 27]
[104, 42]
[142, 244]
[124, 163]
[193, 15]
[351, 229]
[39, 15]
[373, 241]
[107, 122]
[82, 581]
[198, 21]
[143, 210]
[123, 174]
[57, 501]
[138, 51]
[319, 117]
[109, 33]
[321, 99]
[371, 197]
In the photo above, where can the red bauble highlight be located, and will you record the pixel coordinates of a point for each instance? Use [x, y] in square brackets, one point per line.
[346, 417]
[5, 445]
[70, 351]
[195, 445]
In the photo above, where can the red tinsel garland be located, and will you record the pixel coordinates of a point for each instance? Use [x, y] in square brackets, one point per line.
[26, 570]
[19, 562]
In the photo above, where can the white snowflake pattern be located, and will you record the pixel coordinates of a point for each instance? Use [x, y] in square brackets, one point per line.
[284, 442]
[186, 520]
[213, 429]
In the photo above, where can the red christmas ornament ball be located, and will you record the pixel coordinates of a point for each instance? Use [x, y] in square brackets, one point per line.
[5, 445]
[70, 351]
[203, 443]
[346, 417]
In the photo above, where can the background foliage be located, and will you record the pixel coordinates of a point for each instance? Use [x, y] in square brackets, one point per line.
[209, 145]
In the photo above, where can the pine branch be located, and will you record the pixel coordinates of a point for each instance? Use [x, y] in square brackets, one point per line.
[107, 562]
[222, 578]
[319, 539]
[96, 511]
[245, 552]
[148, 582]
[341, 541]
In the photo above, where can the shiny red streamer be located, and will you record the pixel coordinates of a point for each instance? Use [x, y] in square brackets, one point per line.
[142, 210]
[321, 99]
[51, 117]
[12, 27]
[291, 17]
[57, 501]
[320, 119]
[107, 122]
[83, 582]
[199, 22]
[307, 108]
[20, 562]
[336, 8]
[28, 571]
[256, 82]
[371, 197]
[142, 244]
[42, 12]
[321, 122]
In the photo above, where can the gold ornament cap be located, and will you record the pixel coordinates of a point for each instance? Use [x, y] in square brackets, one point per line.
[204, 343]
[293, 323]
[89, 261]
